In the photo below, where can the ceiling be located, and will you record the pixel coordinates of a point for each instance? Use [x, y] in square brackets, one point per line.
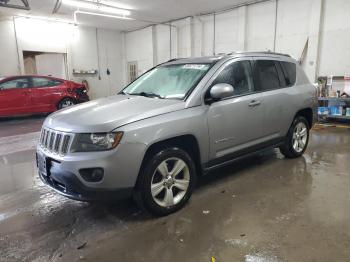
[145, 12]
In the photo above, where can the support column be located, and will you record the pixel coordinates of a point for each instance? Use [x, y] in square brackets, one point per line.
[311, 65]
[154, 45]
[242, 27]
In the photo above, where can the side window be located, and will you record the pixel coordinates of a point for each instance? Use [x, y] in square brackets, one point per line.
[238, 75]
[15, 83]
[266, 75]
[289, 71]
[44, 82]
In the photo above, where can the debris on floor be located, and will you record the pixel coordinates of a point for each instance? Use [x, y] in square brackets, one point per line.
[82, 246]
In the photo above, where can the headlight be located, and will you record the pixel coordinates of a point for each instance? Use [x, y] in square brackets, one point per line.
[96, 142]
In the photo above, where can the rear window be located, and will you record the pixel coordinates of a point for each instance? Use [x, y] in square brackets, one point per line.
[289, 71]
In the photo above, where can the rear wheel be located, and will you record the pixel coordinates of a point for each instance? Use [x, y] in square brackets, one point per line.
[297, 138]
[66, 102]
[166, 181]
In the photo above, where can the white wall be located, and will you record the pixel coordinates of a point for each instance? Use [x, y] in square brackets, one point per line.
[86, 48]
[335, 38]
[260, 26]
[255, 28]
[139, 48]
[162, 43]
[8, 51]
[51, 64]
[247, 28]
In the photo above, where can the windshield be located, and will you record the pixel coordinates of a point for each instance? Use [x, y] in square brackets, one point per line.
[173, 81]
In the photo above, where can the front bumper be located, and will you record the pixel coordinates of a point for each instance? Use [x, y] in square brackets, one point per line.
[120, 173]
[68, 185]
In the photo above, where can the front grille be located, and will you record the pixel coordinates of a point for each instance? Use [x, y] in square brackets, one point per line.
[55, 141]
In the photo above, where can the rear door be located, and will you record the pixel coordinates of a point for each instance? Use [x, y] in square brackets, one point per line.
[270, 80]
[235, 123]
[15, 97]
[44, 93]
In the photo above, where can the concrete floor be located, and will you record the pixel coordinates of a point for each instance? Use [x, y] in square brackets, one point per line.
[264, 208]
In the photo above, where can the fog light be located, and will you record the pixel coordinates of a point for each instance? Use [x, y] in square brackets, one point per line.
[92, 174]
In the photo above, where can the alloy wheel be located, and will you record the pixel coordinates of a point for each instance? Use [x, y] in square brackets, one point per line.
[170, 182]
[300, 136]
[67, 103]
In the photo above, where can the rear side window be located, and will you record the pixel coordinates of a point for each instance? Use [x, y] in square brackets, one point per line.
[266, 75]
[44, 82]
[289, 72]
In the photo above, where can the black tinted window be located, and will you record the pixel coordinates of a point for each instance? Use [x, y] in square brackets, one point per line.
[238, 75]
[289, 71]
[15, 83]
[266, 75]
[44, 82]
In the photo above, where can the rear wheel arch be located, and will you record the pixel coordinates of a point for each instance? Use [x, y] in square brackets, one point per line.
[307, 113]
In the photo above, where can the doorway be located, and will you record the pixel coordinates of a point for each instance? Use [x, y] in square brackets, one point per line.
[47, 64]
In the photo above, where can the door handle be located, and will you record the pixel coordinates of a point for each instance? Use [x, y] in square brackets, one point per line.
[254, 103]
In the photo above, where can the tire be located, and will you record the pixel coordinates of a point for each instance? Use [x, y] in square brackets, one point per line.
[66, 102]
[297, 138]
[171, 190]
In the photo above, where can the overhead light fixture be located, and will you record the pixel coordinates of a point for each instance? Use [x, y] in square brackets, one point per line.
[44, 18]
[99, 14]
[101, 6]
[114, 4]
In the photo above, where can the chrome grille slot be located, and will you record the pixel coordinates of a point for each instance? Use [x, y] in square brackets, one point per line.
[52, 139]
[43, 136]
[55, 142]
[47, 140]
[65, 144]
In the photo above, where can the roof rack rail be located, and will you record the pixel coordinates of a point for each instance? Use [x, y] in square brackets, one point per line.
[173, 59]
[262, 52]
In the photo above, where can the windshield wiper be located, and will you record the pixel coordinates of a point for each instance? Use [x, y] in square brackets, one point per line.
[147, 94]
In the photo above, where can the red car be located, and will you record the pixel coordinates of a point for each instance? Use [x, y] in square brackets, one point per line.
[23, 95]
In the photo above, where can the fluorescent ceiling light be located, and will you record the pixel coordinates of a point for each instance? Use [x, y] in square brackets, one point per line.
[50, 19]
[99, 14]
[114, 4]
[98, 6]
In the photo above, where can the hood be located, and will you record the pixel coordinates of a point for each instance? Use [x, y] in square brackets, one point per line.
[106, 114]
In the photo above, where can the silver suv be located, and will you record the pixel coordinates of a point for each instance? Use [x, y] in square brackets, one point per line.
[175, 123]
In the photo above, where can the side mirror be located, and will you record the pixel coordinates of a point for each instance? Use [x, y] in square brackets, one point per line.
[220, 91]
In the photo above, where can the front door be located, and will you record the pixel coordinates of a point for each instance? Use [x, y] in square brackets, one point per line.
[14, 97]
[235, 123]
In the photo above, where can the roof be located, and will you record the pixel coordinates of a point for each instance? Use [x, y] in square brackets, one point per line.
[15, 76]
[216, 58]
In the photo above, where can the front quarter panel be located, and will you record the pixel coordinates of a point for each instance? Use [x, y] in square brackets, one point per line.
[190, 121]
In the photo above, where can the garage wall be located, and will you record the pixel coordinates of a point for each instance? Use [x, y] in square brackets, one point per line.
[8, 51]
[139, 48]
[320, 28]
[86, 48]
[335, 38]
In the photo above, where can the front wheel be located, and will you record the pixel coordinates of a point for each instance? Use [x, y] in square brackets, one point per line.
[166, 181]
[297, 138]
[66, 102]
